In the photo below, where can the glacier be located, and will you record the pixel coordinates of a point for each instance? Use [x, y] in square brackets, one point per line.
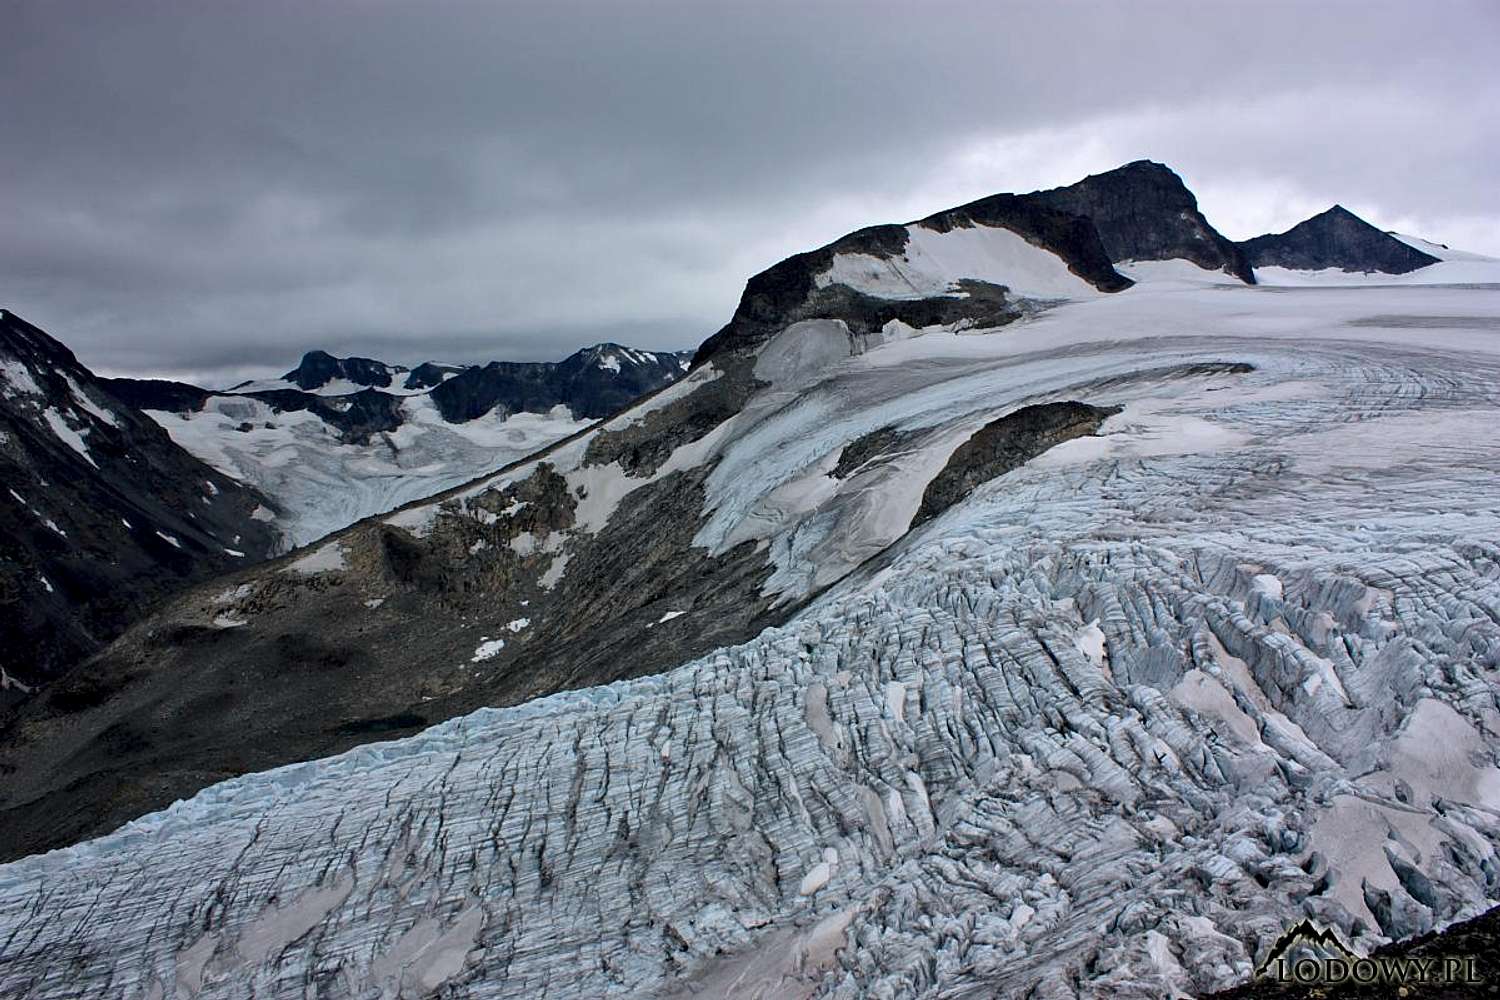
[1102, 729]
[324, 484]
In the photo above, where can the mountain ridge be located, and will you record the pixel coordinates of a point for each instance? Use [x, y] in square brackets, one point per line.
[103, 514]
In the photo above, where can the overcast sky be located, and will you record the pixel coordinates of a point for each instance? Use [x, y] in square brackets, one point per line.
[205, 190]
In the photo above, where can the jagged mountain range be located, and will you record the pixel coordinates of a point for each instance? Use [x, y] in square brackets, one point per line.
[1014, 602]
[338, 439]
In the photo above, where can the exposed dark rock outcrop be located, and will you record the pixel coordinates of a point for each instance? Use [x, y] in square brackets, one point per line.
[1005, 444]
[157, 394]
[1339, 239]
[428, 374]
[356, 416]
[318, 368]
[1143, 211]
[642, 447]
[101, 516]
[592, 383]
[875, 446]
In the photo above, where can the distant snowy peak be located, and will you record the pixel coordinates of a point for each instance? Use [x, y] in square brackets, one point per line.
[326, 375]
[591, 383]
[616, 358]
[1336, 239]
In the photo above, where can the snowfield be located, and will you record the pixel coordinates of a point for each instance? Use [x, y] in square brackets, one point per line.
[931, 261]
[1102, 729]
[324, 483]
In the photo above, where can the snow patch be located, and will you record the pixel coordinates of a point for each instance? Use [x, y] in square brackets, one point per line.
[487, 649]
[15, 372]
[1089, 641]
[67, 435]
[326, 559]
[933, 263]
[87, 404]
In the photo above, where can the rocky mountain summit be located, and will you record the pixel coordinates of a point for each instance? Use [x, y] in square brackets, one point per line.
[101, 515]
[971, 620]
[319, 368]
[1143, 211]
[1338, 239]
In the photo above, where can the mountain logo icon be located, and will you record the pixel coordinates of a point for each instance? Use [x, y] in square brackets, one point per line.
[1305, 939]
[1309, 955]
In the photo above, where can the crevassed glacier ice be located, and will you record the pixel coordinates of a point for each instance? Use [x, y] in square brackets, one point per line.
[1101, 730]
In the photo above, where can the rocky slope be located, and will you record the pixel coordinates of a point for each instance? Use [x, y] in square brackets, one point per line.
[1338, 239]
[338, 439]
[101, 515]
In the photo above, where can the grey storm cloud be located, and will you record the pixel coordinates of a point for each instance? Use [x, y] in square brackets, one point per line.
[206, 190]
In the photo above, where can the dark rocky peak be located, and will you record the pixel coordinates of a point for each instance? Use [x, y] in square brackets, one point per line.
[23, 342]
[429, 374]
[318, 368]
[39, 375]
[617, 359]
[1143, 211]
[513, 385]
[601, 380]
[1339, 239]
[594, 382]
